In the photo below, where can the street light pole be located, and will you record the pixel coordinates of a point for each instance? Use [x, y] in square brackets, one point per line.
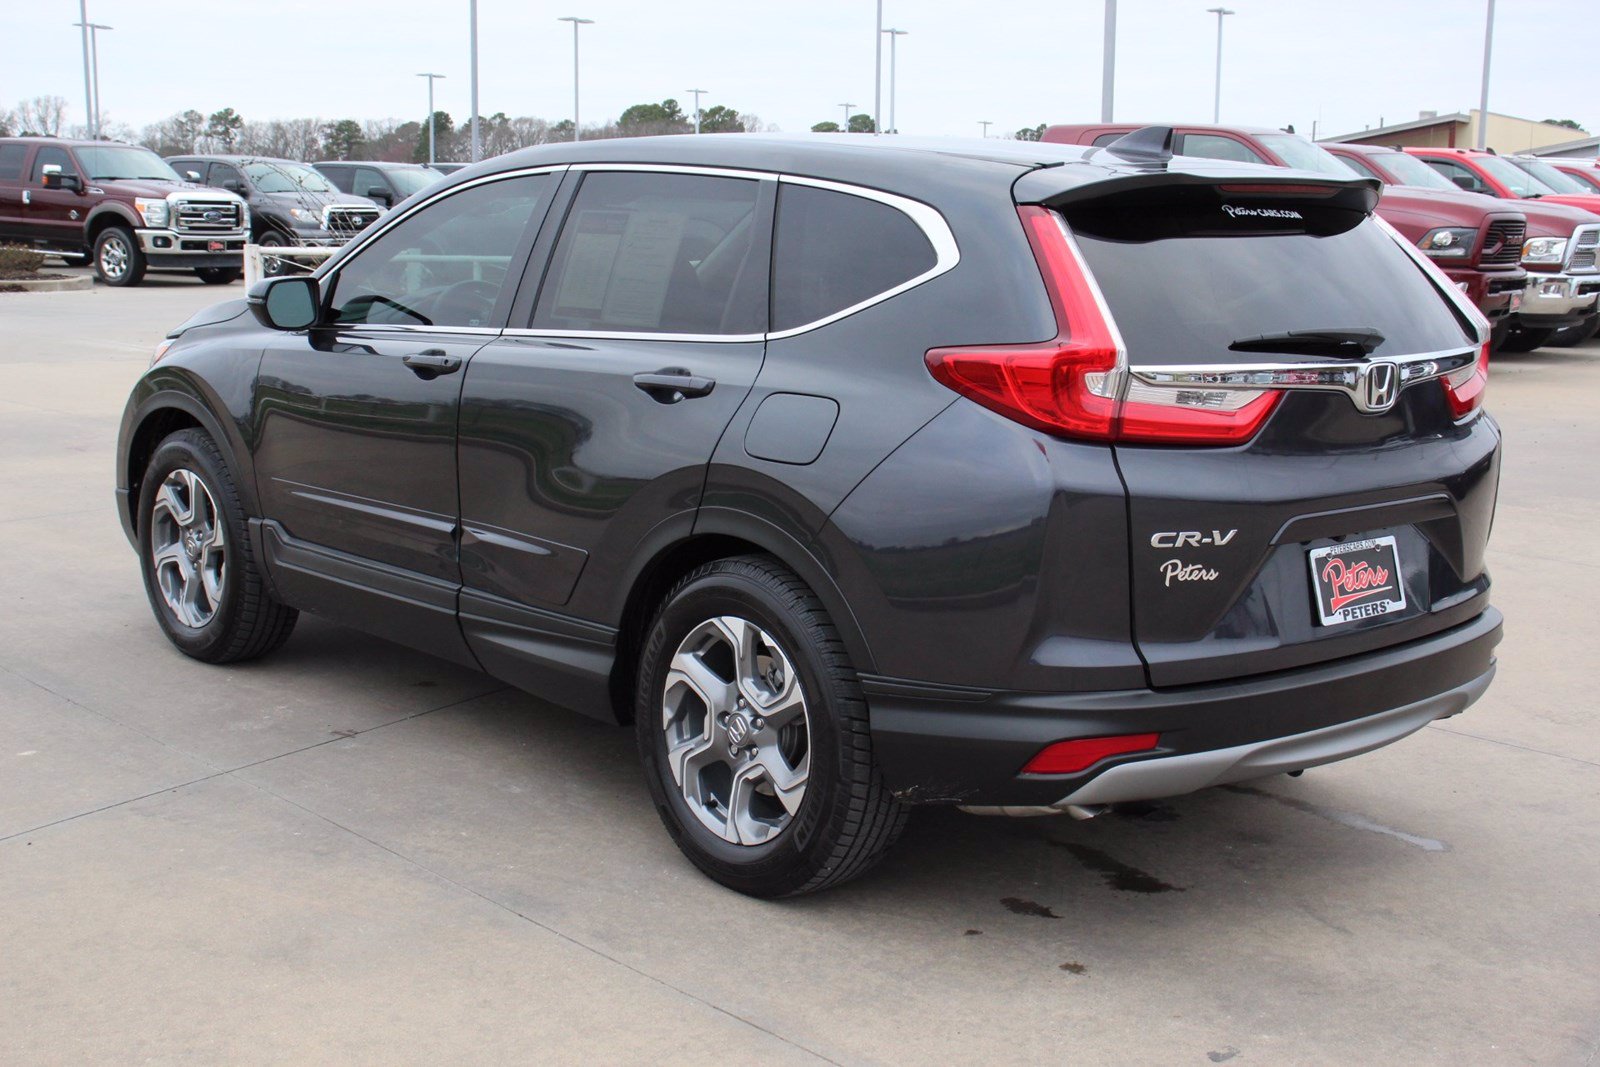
[847, 108]
[477, 144]
[1216, 100]
[985, 123]
[697, 93]
[893, 34]
[1483, 94]
[577, 131]
[877, 75]
[1108, 65]
[94, 63]
[88, 88]
[431, 78]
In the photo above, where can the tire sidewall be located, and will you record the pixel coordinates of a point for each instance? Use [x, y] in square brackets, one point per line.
[134, 271]
[272, 238]
[187, 448]
[789, 860]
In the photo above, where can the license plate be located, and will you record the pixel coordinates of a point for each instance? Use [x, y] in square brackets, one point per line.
[216, 246]
[1357, 580]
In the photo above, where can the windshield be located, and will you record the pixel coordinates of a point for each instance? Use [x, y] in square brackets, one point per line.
[1513, 177]
[286, 178]
[1561, 183]
[109, 163]
[1409, 170]
[1302, 154]
[414, 179]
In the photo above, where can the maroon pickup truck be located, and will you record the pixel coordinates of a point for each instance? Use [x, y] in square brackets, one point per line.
[1476, 242]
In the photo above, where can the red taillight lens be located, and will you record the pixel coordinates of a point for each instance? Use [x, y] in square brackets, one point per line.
[1070, 757]
[1065, 385]
[1464, 388]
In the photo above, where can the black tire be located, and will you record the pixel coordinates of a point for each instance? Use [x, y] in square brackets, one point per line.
[271, 238]
[117, 258]
[1568, 336]
[246, 622]
[218, 275]
[846, 819]
[1522, 339]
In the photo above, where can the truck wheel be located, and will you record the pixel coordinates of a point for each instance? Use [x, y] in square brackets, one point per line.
[194, 551]
[1568, 336]
[117, 258]
[753, 734]
[218, 275]
[271, 268]
[1522, 339]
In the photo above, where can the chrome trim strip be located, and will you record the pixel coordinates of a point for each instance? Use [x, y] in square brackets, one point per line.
[681, 168]
[601, 335]
[1354, 379]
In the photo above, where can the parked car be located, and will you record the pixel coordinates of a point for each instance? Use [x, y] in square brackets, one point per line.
[1483, 264]
[1588, 173]
[290, 204]
[448, 168]
[857, 473]
[1563, 296]
[383, 183]
[119, 206]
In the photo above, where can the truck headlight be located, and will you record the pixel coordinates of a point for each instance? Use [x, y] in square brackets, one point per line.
[1448, 242]
[307, 216]
[1544, 250]
[153, 212]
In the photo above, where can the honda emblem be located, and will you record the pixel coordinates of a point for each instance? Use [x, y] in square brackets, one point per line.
[1380, 384]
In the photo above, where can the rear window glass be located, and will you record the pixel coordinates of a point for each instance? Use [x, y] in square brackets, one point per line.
[833, 251]
[11, 157]
[1187, 294]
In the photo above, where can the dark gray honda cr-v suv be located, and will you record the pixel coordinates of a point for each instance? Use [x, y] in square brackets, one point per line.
[857, 474]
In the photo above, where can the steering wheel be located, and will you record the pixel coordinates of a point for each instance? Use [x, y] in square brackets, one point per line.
[465, 303]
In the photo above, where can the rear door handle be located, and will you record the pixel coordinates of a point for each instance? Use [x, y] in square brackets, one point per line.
[672, 384]
[431, 362]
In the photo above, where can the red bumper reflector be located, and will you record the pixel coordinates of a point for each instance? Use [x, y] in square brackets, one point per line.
[1070, 757]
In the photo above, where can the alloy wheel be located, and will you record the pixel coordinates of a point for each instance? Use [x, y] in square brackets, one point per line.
[114, 256]
[188, 548]
[737, 730]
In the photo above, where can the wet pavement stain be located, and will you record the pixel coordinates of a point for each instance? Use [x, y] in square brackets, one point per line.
[1223, 1056]
[1343, 818]
[344, 733]
[1145, 811]
[1018, 906]
[1074, 967]
[1118, 875]
[971, 933]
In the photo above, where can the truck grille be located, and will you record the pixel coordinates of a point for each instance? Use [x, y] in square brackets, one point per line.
[1502, 245]
[344, 221]
[200, 216]
[1584, 244]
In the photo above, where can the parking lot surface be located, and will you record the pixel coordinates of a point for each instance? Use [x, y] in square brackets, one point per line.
[349, 852]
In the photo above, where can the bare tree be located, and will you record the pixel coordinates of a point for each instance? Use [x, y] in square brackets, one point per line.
[42, 115]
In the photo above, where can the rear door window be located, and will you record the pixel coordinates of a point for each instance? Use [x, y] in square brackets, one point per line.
[833, 251]
[339, 176]
[646, 252]
[12, 156]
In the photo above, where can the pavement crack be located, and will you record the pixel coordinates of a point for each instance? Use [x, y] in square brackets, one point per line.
[1513, 744]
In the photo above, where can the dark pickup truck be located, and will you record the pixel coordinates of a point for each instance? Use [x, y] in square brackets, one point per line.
[119, 205]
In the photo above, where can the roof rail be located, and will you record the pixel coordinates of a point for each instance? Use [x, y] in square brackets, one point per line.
[1151, 144]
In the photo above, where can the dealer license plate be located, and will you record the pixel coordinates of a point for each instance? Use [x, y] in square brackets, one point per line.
[216, 246]
[1357, 580]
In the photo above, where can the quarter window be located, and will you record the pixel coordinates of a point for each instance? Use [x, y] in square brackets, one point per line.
[833, 250]
[644, 252]
[445, 265]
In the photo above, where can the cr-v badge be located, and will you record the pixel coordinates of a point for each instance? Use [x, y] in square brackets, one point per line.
[1179, 538]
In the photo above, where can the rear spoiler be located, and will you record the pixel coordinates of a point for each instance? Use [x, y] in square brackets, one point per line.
[1059, 187]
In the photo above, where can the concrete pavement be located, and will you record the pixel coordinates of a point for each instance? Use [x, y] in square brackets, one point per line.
[348, 852]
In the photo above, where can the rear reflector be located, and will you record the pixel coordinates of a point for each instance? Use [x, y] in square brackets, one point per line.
[1069, 385]
[1464, 388]
[1070, 757]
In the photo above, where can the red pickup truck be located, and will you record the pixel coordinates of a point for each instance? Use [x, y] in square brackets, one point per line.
[1585, 172]
[1475, 242]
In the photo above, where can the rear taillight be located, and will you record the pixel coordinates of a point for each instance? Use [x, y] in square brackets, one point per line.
[1464, 388]
[1069, 385]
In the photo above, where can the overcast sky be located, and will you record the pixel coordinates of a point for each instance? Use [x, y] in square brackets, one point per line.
[1345, 64]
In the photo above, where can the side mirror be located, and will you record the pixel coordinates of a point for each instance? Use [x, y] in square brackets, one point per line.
[1465, 181]
[192, 175]
[381, 196]
[52, 178]
[289, 303]
[233, 185]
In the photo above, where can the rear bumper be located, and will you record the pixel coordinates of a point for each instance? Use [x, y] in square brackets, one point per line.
[939, 744]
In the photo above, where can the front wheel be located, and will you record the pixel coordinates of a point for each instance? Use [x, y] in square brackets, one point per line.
[753, 734]
[117, 258]
[1523, 339]
[204, 586]
[1568, 336]
[218, 275]
[271, 266]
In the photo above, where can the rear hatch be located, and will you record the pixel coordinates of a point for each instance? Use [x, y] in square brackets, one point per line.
[1308, 474]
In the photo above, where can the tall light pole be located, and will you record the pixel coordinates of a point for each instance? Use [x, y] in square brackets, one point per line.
[877, 75]
[431, 78]
[1216, 99]
[697, 93]
[88, 89]
[1483, 94]
[1108, 64]
[577, 130]
[477, 144]
[893, 33]
[985, 123]
[847, 108]
[94, 63]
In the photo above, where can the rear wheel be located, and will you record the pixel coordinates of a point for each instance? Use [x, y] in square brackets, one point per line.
[117, 258]
[218, 275]
[754, 735]
[202, 580]
[270, 238]
[1522, 339]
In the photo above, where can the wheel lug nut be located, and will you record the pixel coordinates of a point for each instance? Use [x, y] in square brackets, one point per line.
[758, 722]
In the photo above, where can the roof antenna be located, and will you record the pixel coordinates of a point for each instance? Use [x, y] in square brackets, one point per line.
[1151, 144]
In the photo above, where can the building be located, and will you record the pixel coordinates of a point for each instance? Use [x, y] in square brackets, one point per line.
[1583, 148]
[1458, 129]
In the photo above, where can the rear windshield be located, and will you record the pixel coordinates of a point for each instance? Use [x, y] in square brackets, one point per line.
[1186, 295]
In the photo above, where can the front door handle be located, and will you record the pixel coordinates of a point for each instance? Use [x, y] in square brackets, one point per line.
[430, 363]
[672, 384]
